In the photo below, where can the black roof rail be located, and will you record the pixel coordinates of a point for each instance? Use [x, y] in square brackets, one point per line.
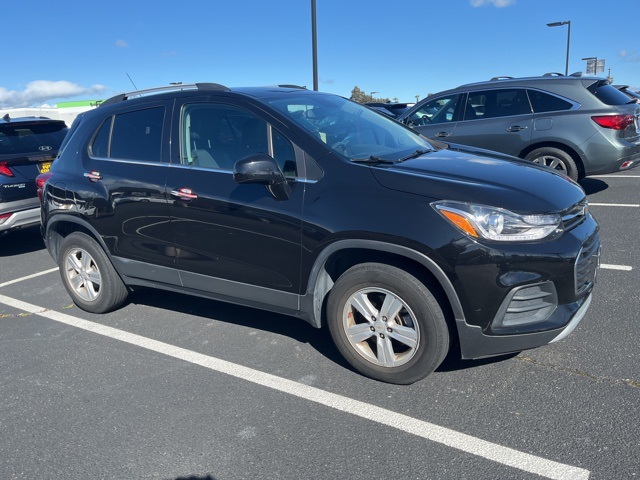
[501, 78]
[576, 74]
[292, 86]
[167, 88]
[553, 74]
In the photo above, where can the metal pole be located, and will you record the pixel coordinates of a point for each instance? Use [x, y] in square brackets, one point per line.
[566, 68]
[314, 45]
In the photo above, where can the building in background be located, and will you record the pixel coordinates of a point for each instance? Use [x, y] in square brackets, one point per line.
[66, 111]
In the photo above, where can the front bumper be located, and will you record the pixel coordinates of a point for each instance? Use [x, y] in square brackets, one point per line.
[475, 344]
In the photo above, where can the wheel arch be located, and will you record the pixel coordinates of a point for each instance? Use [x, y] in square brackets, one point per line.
[61, 226]
[342, 255]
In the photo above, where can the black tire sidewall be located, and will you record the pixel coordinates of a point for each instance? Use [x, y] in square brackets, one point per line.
[434, 336]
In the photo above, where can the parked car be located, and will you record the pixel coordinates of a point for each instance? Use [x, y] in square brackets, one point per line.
[578, 125]
[28, 145]
[628, 92]
[314, 206]
[391, 109]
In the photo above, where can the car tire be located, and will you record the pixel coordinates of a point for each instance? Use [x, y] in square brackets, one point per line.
[387, 324]
[89, 276]
[555, 158]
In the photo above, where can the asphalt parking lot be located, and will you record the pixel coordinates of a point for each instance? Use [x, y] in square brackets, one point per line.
[175, 387]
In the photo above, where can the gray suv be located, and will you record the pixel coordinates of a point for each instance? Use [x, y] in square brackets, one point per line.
[578, 125]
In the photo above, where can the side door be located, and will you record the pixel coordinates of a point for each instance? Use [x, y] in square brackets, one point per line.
[125, 169]
[234, 239]
[499, 119]
[436, 118]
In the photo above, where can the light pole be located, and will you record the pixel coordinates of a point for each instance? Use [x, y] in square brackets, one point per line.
[372, 94]
[568, 24]
[314, 45]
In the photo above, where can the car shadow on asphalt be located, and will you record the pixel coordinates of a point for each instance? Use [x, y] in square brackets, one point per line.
[18, 242]
[593, 185]
[285, 325]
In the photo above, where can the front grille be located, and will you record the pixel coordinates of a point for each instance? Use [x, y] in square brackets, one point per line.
[587, 264]
[574, 215]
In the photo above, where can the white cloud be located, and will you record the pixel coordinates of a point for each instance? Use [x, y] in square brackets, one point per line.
[495, 3]
[41, 90]
[121, 43]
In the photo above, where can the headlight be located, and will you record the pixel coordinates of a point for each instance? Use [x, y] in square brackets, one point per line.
[493, 223]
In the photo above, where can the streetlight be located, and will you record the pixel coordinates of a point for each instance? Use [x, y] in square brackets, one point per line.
[559, 24]
[372, 94]
[314, 45]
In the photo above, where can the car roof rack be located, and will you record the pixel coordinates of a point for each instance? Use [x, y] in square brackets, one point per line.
[286, 85]
[506, 77]
[553, 74]
[168, 88]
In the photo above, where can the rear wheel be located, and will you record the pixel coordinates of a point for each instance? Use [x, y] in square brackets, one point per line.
[387, 324]
[556, 159]
[89, 276]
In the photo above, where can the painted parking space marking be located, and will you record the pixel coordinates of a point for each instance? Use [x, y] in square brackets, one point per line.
[460, 441]
[632, 205]
[28, 277]
[626, 268]
[614, 176]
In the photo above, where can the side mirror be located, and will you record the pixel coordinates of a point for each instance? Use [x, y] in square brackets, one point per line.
[263, 169]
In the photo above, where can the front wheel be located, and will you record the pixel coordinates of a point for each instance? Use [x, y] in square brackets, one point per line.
[555, 158]
[387, 324]
[89, 276]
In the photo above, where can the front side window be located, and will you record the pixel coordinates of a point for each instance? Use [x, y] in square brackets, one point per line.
[350, 129]
[216, 136]
[504, 102]
[439, 110]
[131, 136]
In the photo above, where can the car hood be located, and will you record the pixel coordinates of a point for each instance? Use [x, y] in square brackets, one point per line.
[483, 177]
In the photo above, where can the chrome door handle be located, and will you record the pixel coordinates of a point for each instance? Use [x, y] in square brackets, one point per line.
[93, 175]
[184, 194]
[443, 134]
[516, 128]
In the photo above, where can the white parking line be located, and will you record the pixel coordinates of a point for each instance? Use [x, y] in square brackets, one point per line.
[460, 441]
[614, 176]
[27, 277]
[633, 205]
[626, 268]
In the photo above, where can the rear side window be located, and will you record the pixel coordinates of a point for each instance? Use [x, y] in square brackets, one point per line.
[608, 94]
[131, 136]
[29, 138]
[544, 102]
[502, 102]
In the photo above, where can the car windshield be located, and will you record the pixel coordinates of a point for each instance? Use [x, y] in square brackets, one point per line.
[27, 138]
[352, 130]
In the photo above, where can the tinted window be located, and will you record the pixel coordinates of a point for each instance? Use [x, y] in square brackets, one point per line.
[138, 135]
[608, 94]
[100, 145]
[438, 110]
[503, 102]
[544, 102]
[217, 136]
[24, 138]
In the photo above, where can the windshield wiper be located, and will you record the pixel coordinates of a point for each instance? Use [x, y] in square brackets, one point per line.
[415, 154]
[372, 159]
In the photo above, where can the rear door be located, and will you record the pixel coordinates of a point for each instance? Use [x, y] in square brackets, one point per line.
[26, 150]
[497, 119]
[234, 239]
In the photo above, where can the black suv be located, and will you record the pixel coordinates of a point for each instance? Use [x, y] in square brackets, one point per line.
[28, 145]
[578, 125]
[310, 205]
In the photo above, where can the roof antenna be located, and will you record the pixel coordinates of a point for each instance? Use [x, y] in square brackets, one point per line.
[134, 85]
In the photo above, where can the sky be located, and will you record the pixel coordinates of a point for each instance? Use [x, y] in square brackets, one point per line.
[400, 49]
